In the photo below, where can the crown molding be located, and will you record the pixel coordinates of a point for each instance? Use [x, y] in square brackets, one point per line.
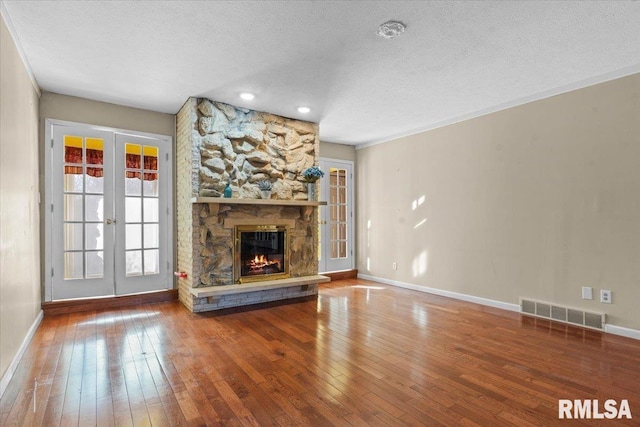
[16, 41]
[592, 81]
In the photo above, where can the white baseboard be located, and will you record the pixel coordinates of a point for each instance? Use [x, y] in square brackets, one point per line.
[624, 332]
[443, 293]
[608, 328]
[6, 378]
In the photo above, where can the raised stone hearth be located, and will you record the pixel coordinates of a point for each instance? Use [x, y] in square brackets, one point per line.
[220, 145]
[220, 297]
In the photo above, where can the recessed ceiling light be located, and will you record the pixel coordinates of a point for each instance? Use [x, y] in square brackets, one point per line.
[304, 110]
[391, 29]
[247, 96]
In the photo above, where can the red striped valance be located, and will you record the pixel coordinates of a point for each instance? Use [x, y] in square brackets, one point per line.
[95, 157]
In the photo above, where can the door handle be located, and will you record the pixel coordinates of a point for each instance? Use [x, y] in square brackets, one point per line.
[109, 221]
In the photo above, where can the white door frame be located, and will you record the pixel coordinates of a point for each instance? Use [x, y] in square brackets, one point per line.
[48, 196]
[324, 195]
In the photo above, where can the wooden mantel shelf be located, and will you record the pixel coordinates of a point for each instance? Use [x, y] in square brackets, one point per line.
[272, 202]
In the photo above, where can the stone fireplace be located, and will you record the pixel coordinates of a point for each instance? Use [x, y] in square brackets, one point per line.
[220, 145]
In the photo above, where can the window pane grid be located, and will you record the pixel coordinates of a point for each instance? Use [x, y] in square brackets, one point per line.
[338, 212]
[82, 207]
[142, 228]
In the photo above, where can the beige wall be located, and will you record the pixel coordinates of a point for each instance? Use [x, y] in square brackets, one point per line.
[329, 150]
[19, 226]
[534, 201]
[81, 110]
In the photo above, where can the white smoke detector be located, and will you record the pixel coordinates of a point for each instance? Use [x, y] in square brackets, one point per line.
[391, 29]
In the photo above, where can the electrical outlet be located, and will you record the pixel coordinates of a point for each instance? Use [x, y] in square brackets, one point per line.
[587, 292]
[394, 265]
[605, 296]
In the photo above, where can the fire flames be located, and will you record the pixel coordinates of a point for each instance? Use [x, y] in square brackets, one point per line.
[260, 262]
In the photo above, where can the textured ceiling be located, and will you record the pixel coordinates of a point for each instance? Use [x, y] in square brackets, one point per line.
[456, 60]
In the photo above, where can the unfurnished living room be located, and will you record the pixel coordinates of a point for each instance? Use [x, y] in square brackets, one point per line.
[319, 213]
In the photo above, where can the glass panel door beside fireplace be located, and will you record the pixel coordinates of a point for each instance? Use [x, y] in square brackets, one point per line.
[110, 223]
[141, 189]
[82, 200]
[336, 219]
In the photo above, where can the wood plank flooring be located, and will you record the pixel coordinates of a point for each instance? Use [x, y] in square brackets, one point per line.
[362, 354]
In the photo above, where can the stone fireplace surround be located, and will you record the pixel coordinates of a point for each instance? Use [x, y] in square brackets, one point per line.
[216, 144]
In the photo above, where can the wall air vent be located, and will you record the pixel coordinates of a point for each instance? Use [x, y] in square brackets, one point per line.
[563, 314]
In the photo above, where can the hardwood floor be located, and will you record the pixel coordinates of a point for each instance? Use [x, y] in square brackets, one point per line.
[362, 354]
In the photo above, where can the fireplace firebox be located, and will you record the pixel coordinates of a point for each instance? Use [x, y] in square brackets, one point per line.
[260, 253]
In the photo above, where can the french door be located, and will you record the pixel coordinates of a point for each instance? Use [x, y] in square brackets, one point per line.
[110, 224]
[336, 219]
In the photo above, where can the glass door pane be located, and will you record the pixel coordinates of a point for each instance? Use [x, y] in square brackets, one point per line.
[142, 176]
[142, 231]
[335, 219]
[338, 212]
[83, 207]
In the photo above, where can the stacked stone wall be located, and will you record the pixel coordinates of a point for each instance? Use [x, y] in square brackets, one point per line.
[245, 147]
